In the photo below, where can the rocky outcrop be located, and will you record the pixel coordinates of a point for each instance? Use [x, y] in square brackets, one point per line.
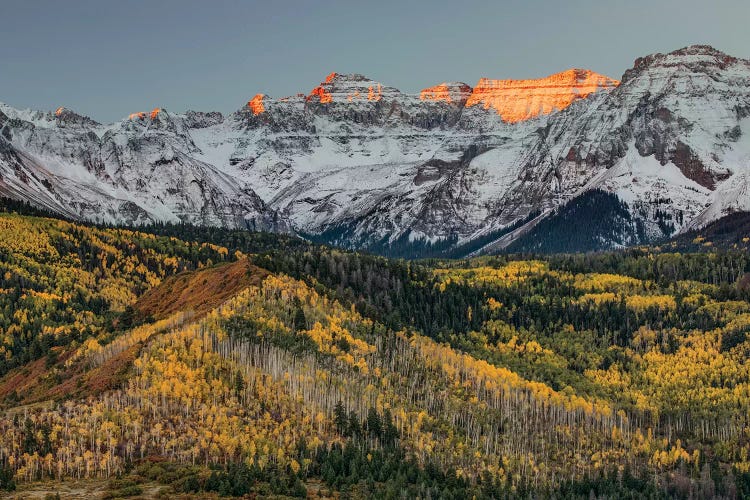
[66, 117]
[453, 93]
[200, 119]
[256, 104]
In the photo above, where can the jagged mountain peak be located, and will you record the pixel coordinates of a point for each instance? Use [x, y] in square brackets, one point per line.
[159, 121]
[67, 117]
[30, 116]
[338, 87]
[699, 49]
[693, 58]
[335, 88]
[148, 116]
[334, 78]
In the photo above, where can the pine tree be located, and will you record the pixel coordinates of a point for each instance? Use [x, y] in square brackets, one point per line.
[374, 426]
[300, 321]
[340, 419]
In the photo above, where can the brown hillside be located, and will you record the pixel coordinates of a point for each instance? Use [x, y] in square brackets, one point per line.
[199, 291]
[36, 382]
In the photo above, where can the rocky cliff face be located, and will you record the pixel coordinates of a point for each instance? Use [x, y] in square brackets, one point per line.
[519, 100]
[361, 164]
[453, 93]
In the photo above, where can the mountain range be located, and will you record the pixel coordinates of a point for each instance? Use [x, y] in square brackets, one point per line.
[452, 170]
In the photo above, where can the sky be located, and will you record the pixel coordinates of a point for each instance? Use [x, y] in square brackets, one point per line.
[106, 59]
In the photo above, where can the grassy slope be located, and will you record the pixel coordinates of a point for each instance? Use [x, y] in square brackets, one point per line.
[199, 291]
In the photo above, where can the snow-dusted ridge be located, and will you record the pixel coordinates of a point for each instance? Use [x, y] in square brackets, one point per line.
[357, 163]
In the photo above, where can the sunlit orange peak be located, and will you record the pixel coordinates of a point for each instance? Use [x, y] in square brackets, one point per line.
[322, 94]
[256, 104]
[518, 100]
[372, 95]
[320, 91]
[155, 112]
[59, 110]
[140, 115]
[447, 92]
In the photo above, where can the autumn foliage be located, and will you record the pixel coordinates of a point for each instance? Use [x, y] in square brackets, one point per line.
[489, 377]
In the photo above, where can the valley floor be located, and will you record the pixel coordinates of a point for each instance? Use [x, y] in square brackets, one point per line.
[90, 489]
[85, 489]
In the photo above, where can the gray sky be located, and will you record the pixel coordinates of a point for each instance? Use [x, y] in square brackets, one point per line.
[106, 59]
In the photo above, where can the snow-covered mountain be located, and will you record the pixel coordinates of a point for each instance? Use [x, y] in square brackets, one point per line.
[358, 163]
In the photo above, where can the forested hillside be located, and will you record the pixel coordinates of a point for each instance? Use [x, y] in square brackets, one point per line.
[596, 220]
[731, 231]
[61, 282]
[231, 363]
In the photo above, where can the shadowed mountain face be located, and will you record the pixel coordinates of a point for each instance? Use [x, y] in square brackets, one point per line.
[361, 164]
